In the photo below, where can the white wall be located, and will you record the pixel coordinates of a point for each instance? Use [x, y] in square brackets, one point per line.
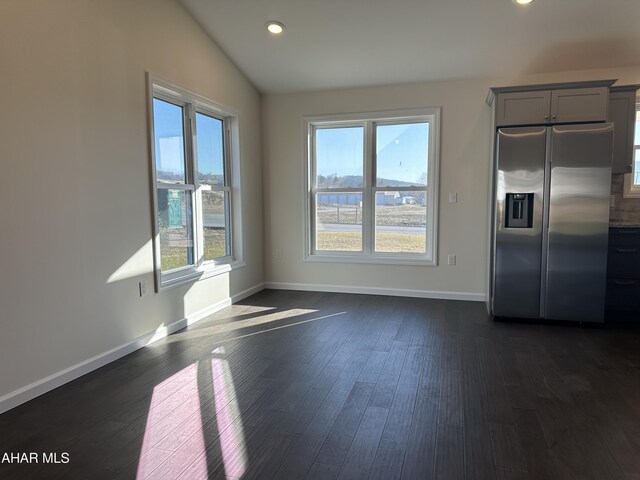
[464, 168]
[75, 196]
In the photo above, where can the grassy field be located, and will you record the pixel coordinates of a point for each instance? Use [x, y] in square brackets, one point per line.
[174, 251]
[385, 242]
[173, 255]
[392, 215]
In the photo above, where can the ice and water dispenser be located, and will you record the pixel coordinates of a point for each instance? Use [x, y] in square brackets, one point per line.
[519, 212]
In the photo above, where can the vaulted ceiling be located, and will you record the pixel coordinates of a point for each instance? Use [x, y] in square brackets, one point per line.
[344, 43]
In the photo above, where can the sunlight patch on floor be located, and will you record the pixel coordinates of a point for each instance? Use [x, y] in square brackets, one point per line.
[232, 439]
[285, 326]
[239, 310]
[173, 401]
[239, 324]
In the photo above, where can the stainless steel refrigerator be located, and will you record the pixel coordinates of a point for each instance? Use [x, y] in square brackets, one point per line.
[551, 220]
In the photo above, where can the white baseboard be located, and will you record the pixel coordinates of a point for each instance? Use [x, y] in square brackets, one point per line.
[35, 389]
[247, 293]
[395, 292]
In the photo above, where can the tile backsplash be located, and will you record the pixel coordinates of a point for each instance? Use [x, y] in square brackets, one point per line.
[624, 210]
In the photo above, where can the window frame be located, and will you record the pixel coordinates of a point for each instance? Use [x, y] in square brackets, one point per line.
[631, 190]
[369, 121]
[192, 104]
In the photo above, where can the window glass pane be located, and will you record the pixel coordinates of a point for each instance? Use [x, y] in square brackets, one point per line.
[215, 208]
[169, 142]
[339, 221]
[637, 136]
[339, 157]
[176, 229]
[402, 153]
[209, 141]
[401, 221]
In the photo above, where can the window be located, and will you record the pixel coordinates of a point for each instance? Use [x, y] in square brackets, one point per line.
[193, 165]
[632, 182]
[372, 187]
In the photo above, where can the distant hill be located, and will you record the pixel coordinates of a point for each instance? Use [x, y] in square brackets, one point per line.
[173, 177]
[355, 181]
[383, 182]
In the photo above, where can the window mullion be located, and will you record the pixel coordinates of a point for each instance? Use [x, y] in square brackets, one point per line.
[226, 150]
[192, 177]
[189, 130]
[368, 199]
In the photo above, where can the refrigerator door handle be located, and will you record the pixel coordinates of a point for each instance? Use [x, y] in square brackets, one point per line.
[545, 223]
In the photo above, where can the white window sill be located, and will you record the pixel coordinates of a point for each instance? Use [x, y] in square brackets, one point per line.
[372, 259]
[195, 275]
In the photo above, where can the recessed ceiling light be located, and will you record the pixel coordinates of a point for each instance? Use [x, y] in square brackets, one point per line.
[275, 27]
[522, 2]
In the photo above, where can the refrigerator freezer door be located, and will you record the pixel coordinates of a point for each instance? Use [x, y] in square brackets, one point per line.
[518, 221]
[581, 158]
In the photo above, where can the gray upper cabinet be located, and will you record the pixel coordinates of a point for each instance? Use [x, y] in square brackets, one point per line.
[579, 105]
[575, 102]
[523, 108]
[622, 110]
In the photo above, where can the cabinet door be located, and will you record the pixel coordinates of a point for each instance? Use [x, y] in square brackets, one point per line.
[622, 107]
[523, 108]
[623, 262]
[579, 105]
[623, 295]
[625, 237]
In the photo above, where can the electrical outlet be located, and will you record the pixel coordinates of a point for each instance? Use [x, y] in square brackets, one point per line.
[277, 254]
[142, 288]
[451, 260]
[453, 197]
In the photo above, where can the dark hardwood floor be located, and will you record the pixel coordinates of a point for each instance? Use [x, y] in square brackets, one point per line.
[294, 385]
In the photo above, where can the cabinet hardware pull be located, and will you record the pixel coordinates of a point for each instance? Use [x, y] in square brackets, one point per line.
[624, 282]
[626, 250]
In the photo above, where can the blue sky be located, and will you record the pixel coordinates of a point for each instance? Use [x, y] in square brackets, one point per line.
[169, 140]
[401, 151]
[209, 143]
[339, 150]
[169, 137]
